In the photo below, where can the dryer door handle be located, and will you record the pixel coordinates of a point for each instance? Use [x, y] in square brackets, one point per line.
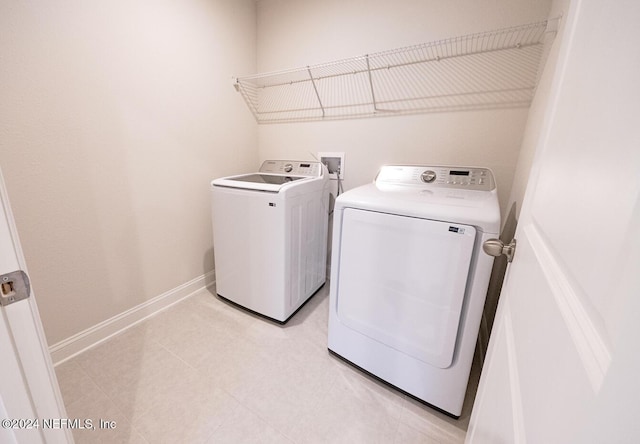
[495, 247]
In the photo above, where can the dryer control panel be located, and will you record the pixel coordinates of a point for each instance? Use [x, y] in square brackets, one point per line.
[469, 178]
[292, 168]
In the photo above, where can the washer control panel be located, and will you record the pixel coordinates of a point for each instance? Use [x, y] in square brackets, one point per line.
[470, 178]
[292, 168]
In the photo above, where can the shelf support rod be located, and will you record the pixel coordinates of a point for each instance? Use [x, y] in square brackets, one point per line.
[315, 88]
[373, 95]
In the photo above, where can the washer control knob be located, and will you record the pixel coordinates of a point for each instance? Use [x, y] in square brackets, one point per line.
[288, 167]
[428, 176]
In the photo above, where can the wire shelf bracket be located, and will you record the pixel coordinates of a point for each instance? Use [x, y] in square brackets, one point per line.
[494, 69]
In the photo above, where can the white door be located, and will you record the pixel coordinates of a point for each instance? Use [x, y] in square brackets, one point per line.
[564, 358]
[29, 391]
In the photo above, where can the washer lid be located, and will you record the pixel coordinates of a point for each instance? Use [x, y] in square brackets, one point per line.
[258, 181]
[265, 178]
[274, 175]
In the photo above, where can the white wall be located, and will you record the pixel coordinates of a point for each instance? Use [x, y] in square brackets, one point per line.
[294, 33]
[114, 117]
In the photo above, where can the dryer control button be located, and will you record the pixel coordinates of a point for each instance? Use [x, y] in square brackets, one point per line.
[428, 176]
[288, 167]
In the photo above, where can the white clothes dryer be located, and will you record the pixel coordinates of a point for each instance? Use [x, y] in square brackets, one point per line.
[270, 236]
[409, 278]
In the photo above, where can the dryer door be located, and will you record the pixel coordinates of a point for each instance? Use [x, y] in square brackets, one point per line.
[402, 281]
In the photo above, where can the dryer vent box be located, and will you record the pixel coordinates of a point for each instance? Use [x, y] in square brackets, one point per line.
[334, 162]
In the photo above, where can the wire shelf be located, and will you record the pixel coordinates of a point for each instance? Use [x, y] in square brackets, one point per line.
[495, 69]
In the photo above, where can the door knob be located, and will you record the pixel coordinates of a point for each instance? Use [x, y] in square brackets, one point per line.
[495, 247]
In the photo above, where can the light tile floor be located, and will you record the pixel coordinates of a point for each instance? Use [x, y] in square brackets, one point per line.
[203, 371]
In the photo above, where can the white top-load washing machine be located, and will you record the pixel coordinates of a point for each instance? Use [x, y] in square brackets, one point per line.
[270, 236]
[409, 278]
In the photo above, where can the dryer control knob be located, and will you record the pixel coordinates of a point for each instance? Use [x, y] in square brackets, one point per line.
[288, 167]
[428, 176]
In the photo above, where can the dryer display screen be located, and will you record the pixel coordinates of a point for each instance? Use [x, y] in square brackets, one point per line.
[459, 173]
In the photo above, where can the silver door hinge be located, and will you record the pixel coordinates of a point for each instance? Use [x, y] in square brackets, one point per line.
[15, 287]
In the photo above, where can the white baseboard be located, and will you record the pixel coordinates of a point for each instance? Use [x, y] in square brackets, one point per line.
[76, 344]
